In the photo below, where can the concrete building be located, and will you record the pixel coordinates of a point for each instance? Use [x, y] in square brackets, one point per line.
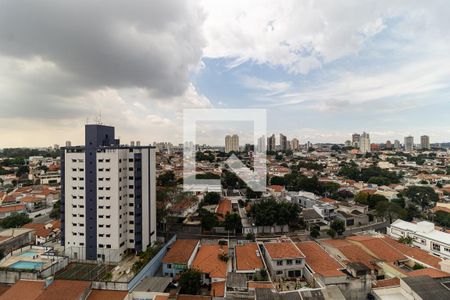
[108, 197]
[283, 142]
[180, 257]
[355, 139]
[364, 143]
[388, 145]
[232, 143]
[409, 144]
[284, 259]
[424, 236]
[425, 142]
[396, 145]
[295, 144]
[271, 143]
[262, 146]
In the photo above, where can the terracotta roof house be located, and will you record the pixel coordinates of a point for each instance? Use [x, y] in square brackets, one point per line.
[248, 259]
[284, 259]
[212, 261]
[179, 257]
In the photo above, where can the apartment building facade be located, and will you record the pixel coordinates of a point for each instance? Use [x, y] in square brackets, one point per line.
[108, 197]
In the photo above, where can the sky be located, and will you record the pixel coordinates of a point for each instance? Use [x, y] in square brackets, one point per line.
[322, 69]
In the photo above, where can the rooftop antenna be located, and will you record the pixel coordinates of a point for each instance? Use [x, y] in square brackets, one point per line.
[99, 118]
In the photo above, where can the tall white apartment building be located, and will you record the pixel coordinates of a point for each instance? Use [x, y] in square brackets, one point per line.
[364, 143]
[232, 143]
[108, 197]
[261, 147]
[283, 142]
[409, 143]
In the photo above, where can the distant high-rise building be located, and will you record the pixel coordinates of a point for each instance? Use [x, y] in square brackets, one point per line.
[261, 147]
[409, 144]
[232, 143]
[397, 145]
[108, 197]
[425, 142]
[283, 142]
[295, 144]
[271, 143]
[356, 137]
[388, 145]
[348, 143]
[364, 143]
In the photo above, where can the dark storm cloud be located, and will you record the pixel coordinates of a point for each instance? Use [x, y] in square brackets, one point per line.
[87, 45]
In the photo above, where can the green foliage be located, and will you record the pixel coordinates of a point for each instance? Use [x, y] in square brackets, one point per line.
[372, 174]
[204, 156]
[166, 179]
[390, 210]
[56, 211]
[338, 226]
[190, 282]
[107, 277]
[252, 194]
[269, 212]
[207, 175]
[331, 232]
[261, 275]
[250, 236]
[22, 171]
[418, 267]
[233, 222]
[442, 218]
[208, 219]
[314, 232]
[298, 182]
[276, 180]
[370, 200]
[145, 257]
[211, 198]
[223, 257]
[231, 180]
[423, 196]
[405, 240]
[15, 221]
[310, 165]
[21, 153]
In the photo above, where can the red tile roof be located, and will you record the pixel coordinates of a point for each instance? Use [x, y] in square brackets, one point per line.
[57, 290]
[208, 261]
[24, 290]
[430, 272]
[319, 260]
[283, 250]
[12, 208]
[224, 207]
[105, 294]
[352, 252]
[377, 247]
[248, 257]
[386, 282]
[180, 252]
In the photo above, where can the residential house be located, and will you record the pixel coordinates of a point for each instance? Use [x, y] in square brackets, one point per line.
[180, 257]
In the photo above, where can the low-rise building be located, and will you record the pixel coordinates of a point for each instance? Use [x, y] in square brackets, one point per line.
[423, 235]
[248, 259]
[180, 257]
[284, 259]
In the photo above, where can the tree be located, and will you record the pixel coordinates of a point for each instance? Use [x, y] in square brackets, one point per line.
[190, 282]
[389, 210]
[442, 218]
[269, 212]
[15, 221]
[338, 226]
[423, 196]
[276, 180]
[233, 222]
[362, 198]
[374, 199]
[314, 232]
[167, 179]
[56, 211]
[208, 219]
[331, 232]
[211, 198]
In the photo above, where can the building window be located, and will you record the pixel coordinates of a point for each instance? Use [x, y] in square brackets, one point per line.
[436, 247]
[279, 272]
[289, 261]
[279, 262]
[298, 261]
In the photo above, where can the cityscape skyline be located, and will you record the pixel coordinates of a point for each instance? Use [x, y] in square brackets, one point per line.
[385, 72]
